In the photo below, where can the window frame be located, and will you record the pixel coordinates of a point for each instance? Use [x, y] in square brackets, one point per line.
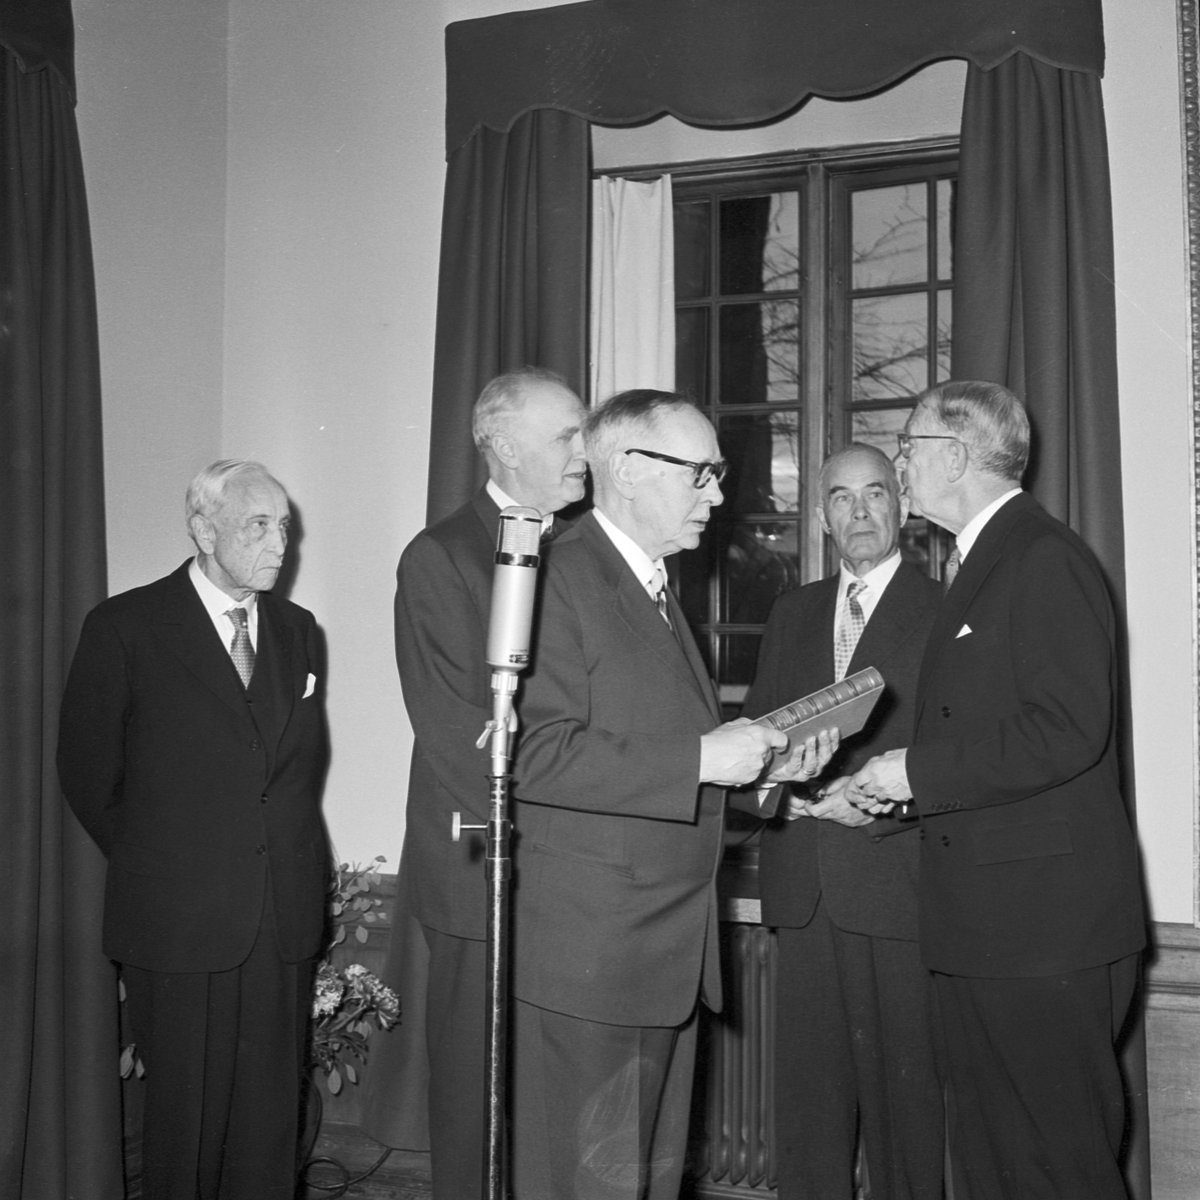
[825, 177]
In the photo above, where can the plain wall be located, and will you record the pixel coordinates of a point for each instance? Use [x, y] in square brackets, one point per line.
[265, 179]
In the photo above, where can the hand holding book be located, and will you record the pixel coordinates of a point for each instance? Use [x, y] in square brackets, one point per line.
[805, 759]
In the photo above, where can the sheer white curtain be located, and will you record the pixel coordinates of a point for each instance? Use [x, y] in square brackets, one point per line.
[633, 287]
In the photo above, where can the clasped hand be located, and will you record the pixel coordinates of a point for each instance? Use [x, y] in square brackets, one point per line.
[881, 783]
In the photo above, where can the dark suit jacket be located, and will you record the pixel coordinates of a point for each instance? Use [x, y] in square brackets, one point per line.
[868, 881]
[443, 598]
[615, 914]
[1028, 862]
[193, 787]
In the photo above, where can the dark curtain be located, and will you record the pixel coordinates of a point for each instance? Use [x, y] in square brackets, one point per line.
[59, 1090]
[1035, 310]
[1034, 304]
[512, 286]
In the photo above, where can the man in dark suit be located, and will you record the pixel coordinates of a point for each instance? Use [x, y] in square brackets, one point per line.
[526, 426]
[1030, 906]
[854, 1035]
[192, 748]
[619, 771]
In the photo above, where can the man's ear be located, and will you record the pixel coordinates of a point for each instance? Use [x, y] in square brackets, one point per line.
[957, 458]
[905, 507]
[505, 450]
[824, 524]
[202, 532]
[622, 472]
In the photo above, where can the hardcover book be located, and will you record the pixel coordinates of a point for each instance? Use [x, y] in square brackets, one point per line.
[844, 706]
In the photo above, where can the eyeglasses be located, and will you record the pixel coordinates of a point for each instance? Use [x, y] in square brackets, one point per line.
[906, 440]
[702, 472]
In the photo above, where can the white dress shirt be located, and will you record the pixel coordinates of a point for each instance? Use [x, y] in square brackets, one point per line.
[974, 527]
[875, 581]
[217, 604]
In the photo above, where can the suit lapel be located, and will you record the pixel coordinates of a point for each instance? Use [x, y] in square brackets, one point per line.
[891, 624]
[272, 687]
[186, 630]
[978, 565]
[634, 608]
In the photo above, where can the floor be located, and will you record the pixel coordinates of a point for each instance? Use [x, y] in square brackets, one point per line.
[402, 1175]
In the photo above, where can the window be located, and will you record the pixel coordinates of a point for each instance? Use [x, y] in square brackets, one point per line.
[812, 304]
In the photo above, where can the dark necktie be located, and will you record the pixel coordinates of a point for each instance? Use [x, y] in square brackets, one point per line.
[240, 648]
[951, 569]
[850, 630]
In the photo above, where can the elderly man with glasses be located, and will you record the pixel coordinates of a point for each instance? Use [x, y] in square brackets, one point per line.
[620, 773]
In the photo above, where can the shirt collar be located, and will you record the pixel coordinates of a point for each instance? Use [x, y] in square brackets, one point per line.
[974, 527]
[640, 563]
[216, 602]
[876, 579]
[503, 501]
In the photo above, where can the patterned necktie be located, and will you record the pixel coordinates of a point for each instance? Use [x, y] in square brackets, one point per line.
[951, 569]
[850, 630]
[240, 648]
[660, 598]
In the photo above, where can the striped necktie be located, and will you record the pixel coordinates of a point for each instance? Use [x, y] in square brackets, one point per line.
[660, 598]
[850, 629]
[240, 649]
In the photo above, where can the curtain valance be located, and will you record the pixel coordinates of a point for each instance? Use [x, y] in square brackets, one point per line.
[722, 62]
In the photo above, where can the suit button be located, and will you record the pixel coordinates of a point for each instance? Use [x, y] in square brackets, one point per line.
[262, 799]
[260, 849]
[254, 744]
[921, 835]
[945, 711]
[945, 840]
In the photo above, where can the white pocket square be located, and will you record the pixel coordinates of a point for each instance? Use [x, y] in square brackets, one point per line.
[961, 633]
[311, 686]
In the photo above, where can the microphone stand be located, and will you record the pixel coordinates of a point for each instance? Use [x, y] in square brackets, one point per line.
[498, 734]
[508, 648]
[499, 875]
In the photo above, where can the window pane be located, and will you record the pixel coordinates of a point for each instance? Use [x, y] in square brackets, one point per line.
[760, 352]
[764, 463]
[915, 543]
[889, 346]
[759, 560]
[879, 427]
[889, 232]
[760, 243]
[691, 353]
[691, 249]
[945, 227]
[737, 656]
[945, 326]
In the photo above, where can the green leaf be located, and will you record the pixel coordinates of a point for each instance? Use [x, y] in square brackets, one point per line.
[351, 1073]
[334, 1082]
[361, 934]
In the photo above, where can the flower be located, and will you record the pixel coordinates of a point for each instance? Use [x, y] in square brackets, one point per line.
[349, 1003]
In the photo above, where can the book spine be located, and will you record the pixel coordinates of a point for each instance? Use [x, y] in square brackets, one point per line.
[822, 701]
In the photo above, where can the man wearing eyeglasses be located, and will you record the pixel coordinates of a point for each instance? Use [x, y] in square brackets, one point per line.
[854, 1039]
[1030, 905]
[620, 770]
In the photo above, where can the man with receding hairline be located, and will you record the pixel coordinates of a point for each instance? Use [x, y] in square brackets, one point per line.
[620, 768]
[1030, 903]
[854, 1044]
[526, 427]
[192, 748]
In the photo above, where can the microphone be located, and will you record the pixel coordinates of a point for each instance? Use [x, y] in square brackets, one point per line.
[514, 584]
